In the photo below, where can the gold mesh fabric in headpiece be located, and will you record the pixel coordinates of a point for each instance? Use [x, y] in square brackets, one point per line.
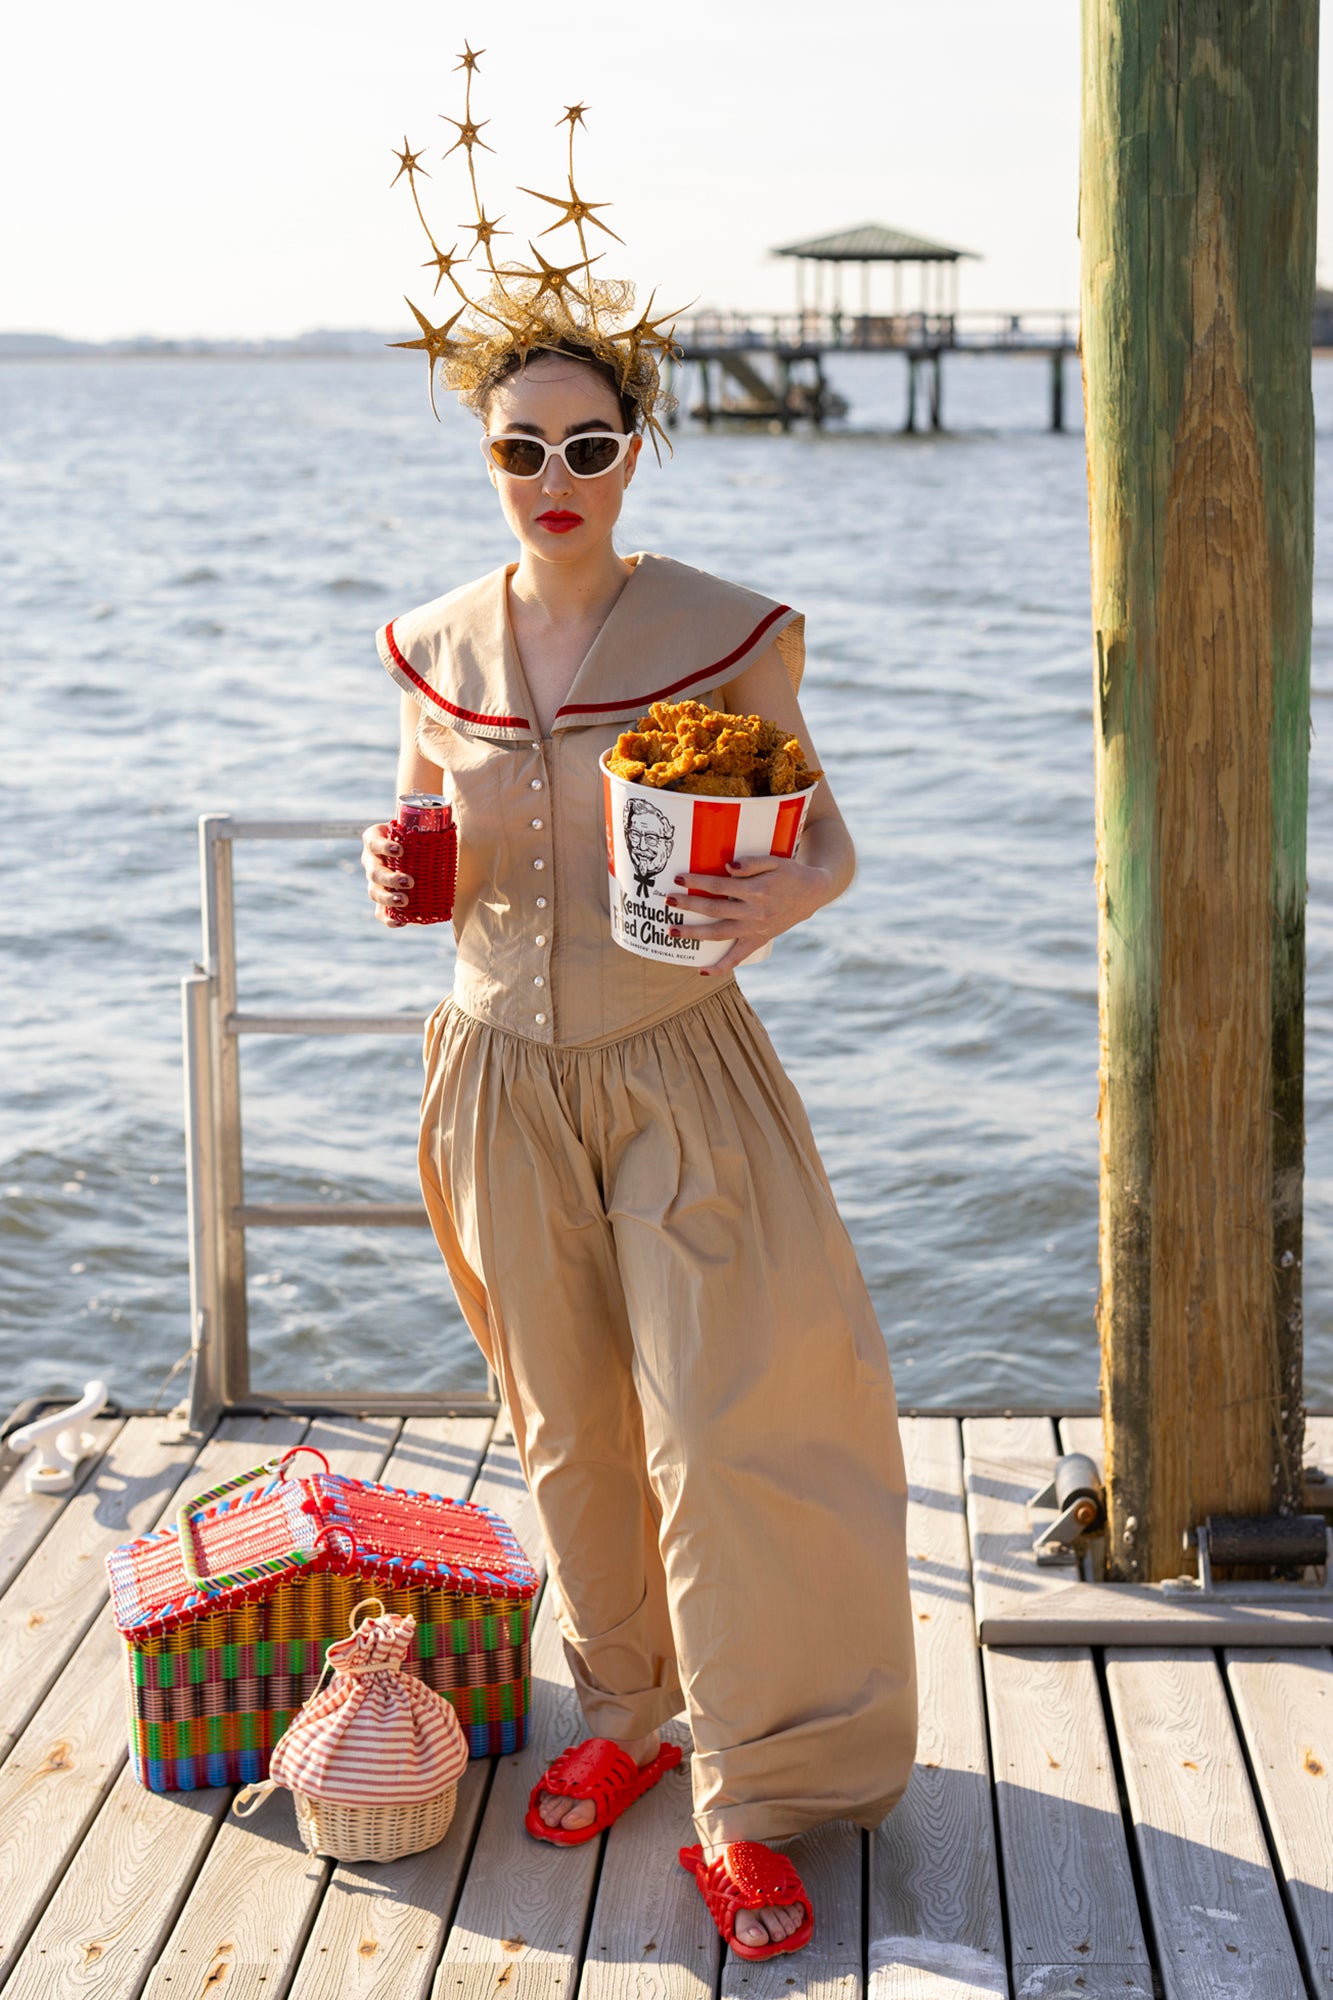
[527, 307]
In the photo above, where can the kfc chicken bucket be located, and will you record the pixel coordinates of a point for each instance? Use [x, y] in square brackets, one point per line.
[653, 835]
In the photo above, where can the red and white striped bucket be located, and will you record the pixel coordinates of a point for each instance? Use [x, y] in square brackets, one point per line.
[653, 836]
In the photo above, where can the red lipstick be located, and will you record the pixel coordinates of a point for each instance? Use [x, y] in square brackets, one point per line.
[557, 522]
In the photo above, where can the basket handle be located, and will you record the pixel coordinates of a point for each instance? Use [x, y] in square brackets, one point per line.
[277, 1467]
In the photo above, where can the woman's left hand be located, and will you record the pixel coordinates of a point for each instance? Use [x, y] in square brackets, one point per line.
[760, 899]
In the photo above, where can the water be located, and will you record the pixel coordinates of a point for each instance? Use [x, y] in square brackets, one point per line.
[196, 557]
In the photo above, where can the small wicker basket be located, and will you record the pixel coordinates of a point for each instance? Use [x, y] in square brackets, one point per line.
[373, 1833]
[362, 1746]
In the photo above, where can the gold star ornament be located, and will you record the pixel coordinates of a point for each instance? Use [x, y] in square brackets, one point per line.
[434, 341]
[525, 308]
[442, 263]
[468, 134]
[576, 210]
[484, 229]
[408, 163]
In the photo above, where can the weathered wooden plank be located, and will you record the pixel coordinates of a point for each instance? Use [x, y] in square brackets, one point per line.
[1319, 1441]
[54, 1599]
[1090, 1614]
[935, 1927]
[1215, 1906]
[1068, 1884]
[67, 1758]
[119, 1895]
[1285, 1704]
[999, 1454]
[651, 1936]
[518, 1979]
[251, 1905]
[26, 1517]
[247, 1912]
[1084, 1982]
[381, 1924]
[380, 1927]
[521, 1916]
[1319, 1454]
[439, 1455]
[1082, 1434]
[830, 1863]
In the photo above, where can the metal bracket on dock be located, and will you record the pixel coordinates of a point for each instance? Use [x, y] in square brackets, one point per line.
[1293, 1542]
[55, 1443]
[1067, 1511]
[1047, 1587]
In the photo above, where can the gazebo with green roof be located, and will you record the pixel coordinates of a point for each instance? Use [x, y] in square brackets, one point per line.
[875, 243]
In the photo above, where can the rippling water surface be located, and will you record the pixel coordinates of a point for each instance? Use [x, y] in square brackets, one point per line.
[195, 558]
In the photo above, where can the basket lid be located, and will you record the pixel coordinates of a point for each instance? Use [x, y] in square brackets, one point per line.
[248, 1545]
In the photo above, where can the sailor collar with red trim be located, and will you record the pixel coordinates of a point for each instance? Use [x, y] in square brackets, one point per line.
[673, 632]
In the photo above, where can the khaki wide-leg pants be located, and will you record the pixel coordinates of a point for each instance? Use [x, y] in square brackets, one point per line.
[644, 1242]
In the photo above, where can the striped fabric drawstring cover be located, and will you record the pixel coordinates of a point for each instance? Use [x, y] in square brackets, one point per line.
[375, 1733]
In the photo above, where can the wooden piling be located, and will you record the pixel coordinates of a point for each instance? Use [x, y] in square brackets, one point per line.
[1058, 390]
[1197, 218]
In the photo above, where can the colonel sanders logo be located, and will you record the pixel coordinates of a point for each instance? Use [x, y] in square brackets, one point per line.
[648, 836]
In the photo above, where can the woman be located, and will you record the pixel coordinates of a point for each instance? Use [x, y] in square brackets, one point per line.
[626, 1192]
[619, 1175]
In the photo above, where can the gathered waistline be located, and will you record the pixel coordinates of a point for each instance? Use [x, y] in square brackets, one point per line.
[452, 1004]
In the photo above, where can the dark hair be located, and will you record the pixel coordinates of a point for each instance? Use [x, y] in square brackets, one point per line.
[514, 363]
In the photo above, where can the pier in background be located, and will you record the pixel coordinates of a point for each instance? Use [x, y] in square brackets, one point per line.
[768, 368]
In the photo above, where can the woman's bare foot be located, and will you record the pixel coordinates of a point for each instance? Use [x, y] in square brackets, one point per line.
[556, 1810]
[768, 1926]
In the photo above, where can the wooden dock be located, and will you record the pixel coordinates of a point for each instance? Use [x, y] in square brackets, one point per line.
[768, 368]
[1082, 1824]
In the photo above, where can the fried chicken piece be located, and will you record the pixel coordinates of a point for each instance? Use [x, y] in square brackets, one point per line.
[637, 751]
[786, 769]
[712, 785]
[685, 746]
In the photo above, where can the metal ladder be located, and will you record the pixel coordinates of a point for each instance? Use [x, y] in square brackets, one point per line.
[219, 1214]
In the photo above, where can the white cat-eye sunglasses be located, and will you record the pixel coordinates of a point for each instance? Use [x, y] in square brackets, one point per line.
[586, 456]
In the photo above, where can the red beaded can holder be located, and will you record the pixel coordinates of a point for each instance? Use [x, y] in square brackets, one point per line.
[425, 830]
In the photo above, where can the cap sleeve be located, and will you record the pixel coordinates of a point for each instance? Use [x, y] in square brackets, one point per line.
[790, 643]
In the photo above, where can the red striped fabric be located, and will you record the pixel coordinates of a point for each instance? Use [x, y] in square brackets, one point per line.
[375, 1734]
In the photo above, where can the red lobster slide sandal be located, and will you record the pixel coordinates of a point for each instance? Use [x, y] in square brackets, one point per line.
[749, 1876]
[601, 1771]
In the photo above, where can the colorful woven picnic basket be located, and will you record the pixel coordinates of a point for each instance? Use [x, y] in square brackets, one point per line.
[227, 1615]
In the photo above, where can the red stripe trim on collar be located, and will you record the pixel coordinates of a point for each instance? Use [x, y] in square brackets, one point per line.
[686, 680]
[463, 714]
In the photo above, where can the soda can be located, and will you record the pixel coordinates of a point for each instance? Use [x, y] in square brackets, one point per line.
[424, 829]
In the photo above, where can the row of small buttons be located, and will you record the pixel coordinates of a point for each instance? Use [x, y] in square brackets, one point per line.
[537, 826]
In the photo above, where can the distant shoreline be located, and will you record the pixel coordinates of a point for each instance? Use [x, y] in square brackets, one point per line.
[198, 354]
[354, 345]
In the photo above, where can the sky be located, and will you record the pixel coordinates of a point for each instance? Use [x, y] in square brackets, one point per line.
[183, 170]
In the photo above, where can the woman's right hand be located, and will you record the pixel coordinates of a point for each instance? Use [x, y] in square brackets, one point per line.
[385, 886]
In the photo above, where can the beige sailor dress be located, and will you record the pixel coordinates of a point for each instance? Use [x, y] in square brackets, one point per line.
[626, 1192]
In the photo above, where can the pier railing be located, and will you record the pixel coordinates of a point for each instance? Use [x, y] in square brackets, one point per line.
[821, 330]
[219, 1215]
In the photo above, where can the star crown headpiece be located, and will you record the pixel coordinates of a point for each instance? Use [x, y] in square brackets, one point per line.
[527, 307]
